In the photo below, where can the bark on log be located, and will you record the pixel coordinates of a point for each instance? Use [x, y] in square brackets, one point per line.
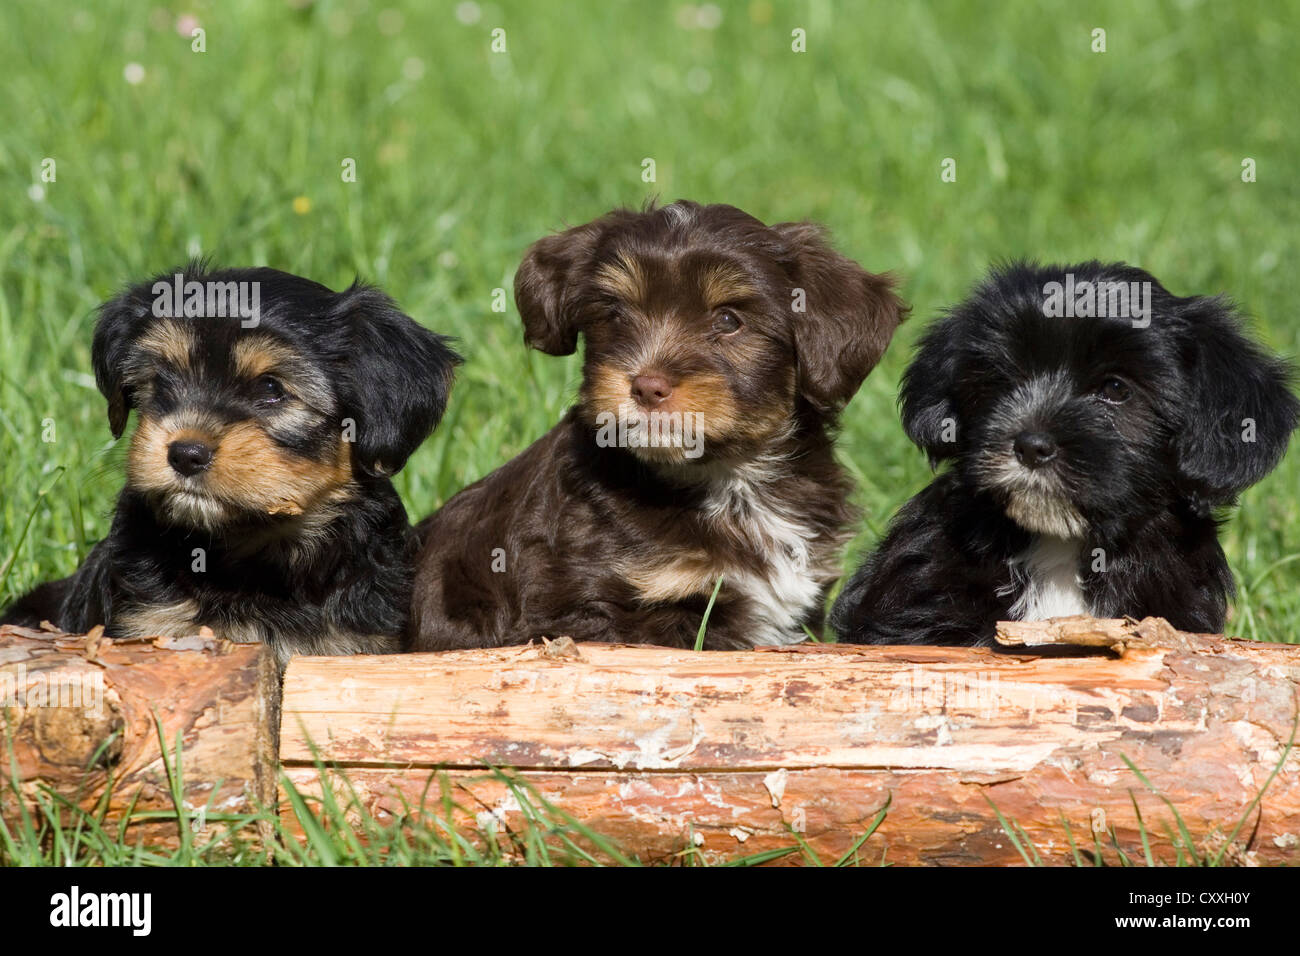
[79, 710]
[655, 747]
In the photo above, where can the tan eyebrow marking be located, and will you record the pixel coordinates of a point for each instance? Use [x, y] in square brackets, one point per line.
[258, 355]
[721, 284]
[170, 341]
[623, 278]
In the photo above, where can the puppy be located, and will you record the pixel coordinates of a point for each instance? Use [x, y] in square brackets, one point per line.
[271, 412]
[1094, 422]
[718, 353]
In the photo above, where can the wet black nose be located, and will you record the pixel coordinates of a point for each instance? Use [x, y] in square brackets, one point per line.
[188, 457]
[1034, 449]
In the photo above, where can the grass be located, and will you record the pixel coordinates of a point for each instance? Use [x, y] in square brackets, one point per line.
[464, 156]
[333, 828]
[1218, 849]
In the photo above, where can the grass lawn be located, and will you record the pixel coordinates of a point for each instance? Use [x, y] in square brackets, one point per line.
[464, 156]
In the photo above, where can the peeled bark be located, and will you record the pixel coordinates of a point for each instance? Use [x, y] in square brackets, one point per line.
[720, 753]
[659, 749]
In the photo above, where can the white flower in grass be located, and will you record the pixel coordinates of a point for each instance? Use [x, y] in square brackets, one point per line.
[708, 17]
[133, 73]
[468, 13]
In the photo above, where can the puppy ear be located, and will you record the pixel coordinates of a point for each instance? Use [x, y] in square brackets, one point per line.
[120, 321]
[929, 416]
[848, 319]
[396, 376]
[546, 287]
[1240, 411]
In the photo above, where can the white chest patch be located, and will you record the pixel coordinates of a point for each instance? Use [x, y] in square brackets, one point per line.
[1047, 576]
[787, 588]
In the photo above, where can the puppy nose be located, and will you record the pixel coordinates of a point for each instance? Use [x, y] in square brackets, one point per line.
[188, 457]
[650, 390]
[1034, 449]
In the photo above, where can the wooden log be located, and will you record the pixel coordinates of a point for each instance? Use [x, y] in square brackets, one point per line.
[658, 748]
[79, 711]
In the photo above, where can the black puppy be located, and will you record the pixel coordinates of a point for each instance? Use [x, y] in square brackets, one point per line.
[271, 412]
[1094, 422]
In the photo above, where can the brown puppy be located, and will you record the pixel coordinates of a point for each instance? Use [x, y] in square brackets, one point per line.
[719, 352]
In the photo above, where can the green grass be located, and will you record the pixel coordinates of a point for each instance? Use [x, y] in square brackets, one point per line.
[465, 156]
[333, 827]
[1215, 849]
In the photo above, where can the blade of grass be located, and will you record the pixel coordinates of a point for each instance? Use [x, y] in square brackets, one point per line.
[1074, 847]
[1178, 818]
[1035, 860]
[1232, 837]
[851, 854]
[704, 624]
[31, 515]
[1142, 830]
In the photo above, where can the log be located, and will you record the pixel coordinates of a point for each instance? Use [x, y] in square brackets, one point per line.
[722, 754]
[726, 753]
[81, 711]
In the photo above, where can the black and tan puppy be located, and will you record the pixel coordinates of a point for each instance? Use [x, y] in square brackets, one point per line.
[718, 353]
[1094, 423]
[271, 412]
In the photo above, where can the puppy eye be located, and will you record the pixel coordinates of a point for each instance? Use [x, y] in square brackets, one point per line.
[726, 323]
[1115, 391]
[267, 390]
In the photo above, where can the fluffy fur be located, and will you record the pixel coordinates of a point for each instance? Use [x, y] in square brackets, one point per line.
[763, 333]
[257, 499]
[1088, 455]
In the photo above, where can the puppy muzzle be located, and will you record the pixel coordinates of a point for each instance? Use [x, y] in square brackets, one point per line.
[1022, 463]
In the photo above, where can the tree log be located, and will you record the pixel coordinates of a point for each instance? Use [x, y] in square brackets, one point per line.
[722, 753]
[81, 710]
[728, 752]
